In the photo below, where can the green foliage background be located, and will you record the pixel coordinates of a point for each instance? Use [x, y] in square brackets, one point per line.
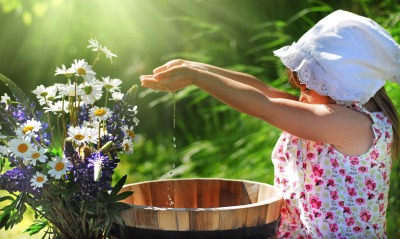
[211, 139]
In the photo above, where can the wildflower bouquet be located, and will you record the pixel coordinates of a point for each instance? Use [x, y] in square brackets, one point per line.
[60, 160]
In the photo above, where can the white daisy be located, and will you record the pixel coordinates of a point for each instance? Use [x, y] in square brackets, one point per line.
[64, 71]
[6, 100]
[82, 68]
[117, 96]
[70, 89]
[91, 124]
[95, 126]
[3, 150]
[19, 147]
[127, 146]
[36, 155]
[91, 91]
[82, 135]
[38, 180]
[57, 107]
[99, 113]
[29, 128]
[128, 131]
[134, 110]
[93, 43]
[108, 53]
[111, 85]
[45, 94]
[59, 167]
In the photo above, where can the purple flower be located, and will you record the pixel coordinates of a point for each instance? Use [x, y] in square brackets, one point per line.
[18, 180]
[83, 174]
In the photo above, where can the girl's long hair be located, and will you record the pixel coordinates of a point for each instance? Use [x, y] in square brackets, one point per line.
[384, 104]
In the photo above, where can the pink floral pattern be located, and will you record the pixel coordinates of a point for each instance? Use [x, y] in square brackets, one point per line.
[331, 195]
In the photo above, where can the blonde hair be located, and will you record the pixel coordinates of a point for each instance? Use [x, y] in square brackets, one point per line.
[384, 104]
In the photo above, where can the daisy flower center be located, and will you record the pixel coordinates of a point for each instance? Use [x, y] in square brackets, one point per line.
[59, 166]
[109, 87]
[81, 71]
[79, 137]
[35, 155]
[40, 179]
[27, 129]
[88, 90]
[131, 133]
[100, 112]
[126, 147]
[22, 148]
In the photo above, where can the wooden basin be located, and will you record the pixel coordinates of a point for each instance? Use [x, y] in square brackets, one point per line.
[201, 208]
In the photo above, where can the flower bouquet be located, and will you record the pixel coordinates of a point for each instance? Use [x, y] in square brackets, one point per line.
[60, 160]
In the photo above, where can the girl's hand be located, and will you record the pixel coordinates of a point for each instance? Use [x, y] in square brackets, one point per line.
[179, 62]
[170, 77]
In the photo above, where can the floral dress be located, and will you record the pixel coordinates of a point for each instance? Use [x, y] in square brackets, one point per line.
[331, 195]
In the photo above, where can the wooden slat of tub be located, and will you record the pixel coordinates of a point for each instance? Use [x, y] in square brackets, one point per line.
[185, 193]
[162, 194]
[230, 192]
[266, 192]
[146, 218]
[129, 217]
[256, 216]
[167, 220]
[141, 194]
[174, 220]
[230, 219]
[249, 193]
[208, 193]
[274, 211]
[204, 220]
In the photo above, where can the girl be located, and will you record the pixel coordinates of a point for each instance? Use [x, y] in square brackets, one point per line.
[332, 161]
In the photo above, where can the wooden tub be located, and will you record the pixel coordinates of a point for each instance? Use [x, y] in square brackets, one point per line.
[201, 208]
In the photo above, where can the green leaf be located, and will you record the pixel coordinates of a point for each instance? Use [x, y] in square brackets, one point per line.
[119, 219]
[119, 206]
[36, 227]
[17, 92]
[4, 217]
[6, 198]
[122, 196]
[118, 186]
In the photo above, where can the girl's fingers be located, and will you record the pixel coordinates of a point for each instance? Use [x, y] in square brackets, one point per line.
[169, 65]
[160, 69]
[155, 86]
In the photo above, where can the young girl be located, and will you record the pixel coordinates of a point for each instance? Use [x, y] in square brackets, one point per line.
[332, 162]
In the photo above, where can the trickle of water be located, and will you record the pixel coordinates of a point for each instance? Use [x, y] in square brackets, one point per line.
[173, 133]
[170, 202]
[174, 142]
[174, 113]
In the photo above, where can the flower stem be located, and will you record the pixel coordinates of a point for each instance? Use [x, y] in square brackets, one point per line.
[51, 129]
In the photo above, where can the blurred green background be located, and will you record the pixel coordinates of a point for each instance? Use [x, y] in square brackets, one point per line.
[211, 139]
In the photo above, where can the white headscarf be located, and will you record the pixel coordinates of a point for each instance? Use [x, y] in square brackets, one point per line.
[345, 56]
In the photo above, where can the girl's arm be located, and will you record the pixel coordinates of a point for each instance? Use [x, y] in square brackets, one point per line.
[348, 130]
[232, 75]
